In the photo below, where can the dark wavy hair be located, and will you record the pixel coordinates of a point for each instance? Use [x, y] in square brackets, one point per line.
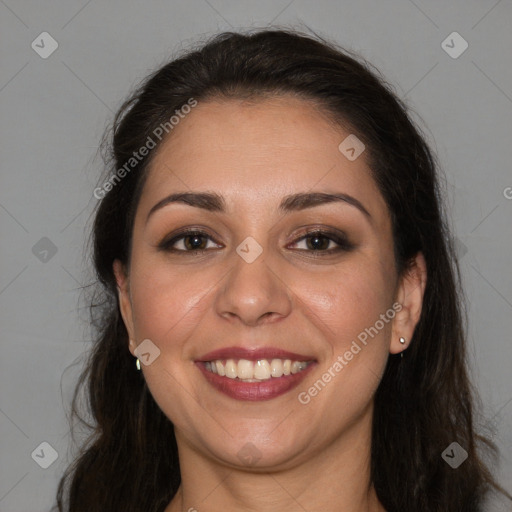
[425, 400]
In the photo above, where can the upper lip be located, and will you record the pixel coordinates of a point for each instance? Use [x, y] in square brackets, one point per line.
[253, 354]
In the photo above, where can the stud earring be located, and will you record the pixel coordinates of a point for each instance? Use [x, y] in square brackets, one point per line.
[137, 364]
[402, 340]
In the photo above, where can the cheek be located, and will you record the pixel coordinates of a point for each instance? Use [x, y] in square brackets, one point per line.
[168, 304]
[347, 301]
[346, 306]
[353, 310]
[167, 301]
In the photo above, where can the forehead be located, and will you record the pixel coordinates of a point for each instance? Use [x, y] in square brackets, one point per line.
[256, 152]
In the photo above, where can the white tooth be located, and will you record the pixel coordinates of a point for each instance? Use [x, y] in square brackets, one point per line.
[245, 369]
[220, 368]
[276, 368]
[208, 366]
[287, 365]
[213, 367]
[230, 369]
[262, 370]
[295, 367]
[303, 365]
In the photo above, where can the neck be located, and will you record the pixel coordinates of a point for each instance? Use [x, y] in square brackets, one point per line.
[335, 478]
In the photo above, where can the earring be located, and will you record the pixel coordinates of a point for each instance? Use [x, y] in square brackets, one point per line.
[137, 364]
[402, 341]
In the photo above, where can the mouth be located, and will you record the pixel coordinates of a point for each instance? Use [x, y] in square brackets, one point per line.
[254, 374]
[245, 370]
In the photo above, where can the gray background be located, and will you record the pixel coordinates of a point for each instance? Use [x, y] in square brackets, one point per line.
[54, 111]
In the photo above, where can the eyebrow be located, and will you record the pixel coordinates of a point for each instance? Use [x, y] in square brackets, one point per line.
[214, 202]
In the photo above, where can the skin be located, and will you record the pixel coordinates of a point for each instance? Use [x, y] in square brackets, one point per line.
[313, 456]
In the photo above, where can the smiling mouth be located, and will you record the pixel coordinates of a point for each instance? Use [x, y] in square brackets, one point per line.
[254, 374]
[245, 370]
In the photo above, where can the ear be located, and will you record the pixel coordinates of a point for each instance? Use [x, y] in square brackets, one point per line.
[125, 304]
[409, 296]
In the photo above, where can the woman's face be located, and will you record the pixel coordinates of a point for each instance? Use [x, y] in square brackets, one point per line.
[262, 289]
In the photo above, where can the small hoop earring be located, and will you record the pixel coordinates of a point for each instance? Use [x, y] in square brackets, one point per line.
[402, 340]
[137, 364]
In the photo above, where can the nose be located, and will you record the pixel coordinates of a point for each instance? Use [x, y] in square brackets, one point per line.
[253, 293]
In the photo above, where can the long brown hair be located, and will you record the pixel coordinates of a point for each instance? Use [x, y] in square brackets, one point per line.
[425, 400]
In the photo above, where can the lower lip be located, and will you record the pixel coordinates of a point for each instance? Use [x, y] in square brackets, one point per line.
[255, 391]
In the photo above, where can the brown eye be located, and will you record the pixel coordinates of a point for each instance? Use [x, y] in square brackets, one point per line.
[188, 241]
[317, 242]
[194, 242]
[324, 242]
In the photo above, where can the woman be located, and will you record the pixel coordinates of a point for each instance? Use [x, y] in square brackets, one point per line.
[282, 329]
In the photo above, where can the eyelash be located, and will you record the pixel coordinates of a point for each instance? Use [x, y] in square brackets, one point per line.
[343, 243]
